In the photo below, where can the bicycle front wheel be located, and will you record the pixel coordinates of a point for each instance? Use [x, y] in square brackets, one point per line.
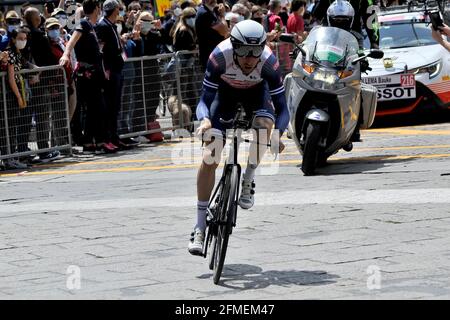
[227, 213]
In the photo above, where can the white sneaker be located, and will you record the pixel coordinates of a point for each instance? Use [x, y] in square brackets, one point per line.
[13, 164]
[246, 200]
[195, 246]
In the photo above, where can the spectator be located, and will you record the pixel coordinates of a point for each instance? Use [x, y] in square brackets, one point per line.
[114, 58]
[284, 15]
[89, 75]
[17, 98]
[210, 28]
[232, 18]
[437, 35]
[58, 46]
[132, 81]
[258, 14]
[146, 5]
[40, 53]
[263, 4]
[13, 22]
[62, 18]
[187, 3]
[169, 22]
[133, 12]
[149, 45]
[184, 38]
[241, 10]
[247, 4]
[273, 20]
[296, 24]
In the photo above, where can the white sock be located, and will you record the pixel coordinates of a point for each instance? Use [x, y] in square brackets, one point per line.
[201, 215]
[249, 173]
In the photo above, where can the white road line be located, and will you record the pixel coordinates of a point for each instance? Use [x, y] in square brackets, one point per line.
[340, 196]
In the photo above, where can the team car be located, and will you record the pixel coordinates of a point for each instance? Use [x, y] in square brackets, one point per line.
[414, 74]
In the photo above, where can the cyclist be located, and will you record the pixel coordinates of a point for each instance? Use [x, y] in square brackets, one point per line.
[241, 69]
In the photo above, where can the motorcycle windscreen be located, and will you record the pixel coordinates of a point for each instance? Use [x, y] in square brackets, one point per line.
[330, 45]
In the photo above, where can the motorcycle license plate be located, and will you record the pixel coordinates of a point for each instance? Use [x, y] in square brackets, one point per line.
[393, 87]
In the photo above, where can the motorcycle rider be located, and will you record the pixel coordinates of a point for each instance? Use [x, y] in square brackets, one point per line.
[364, 11]
[340, 14]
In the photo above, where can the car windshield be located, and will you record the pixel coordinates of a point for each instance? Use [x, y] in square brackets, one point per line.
[404, 34]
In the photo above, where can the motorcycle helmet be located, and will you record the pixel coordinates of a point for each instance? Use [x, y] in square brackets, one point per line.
[340, 14]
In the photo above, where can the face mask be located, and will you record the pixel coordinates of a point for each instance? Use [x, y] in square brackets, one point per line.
[191, 22]
[122, 13]
[62, 21]
[146, 26]
[20, 44]
[119, 28]
[177, 12]
[240, 18]
[13, 27]
[53, 34]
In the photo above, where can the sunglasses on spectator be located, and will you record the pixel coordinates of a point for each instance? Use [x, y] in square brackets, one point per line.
[248, 51]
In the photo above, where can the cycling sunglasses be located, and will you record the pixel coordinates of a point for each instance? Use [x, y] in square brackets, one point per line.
[248, 50]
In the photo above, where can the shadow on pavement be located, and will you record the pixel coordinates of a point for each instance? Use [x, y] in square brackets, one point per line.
[358, 165]
[248, 277]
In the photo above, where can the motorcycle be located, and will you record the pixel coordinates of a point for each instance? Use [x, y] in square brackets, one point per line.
[324, 92]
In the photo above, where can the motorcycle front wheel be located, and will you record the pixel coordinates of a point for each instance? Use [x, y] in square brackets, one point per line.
[311, 148]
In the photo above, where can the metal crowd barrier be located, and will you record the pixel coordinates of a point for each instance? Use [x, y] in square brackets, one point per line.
[164, 88]
[167, 88]
[43, 124]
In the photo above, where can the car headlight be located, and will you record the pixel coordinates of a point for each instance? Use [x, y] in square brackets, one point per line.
[432, 69]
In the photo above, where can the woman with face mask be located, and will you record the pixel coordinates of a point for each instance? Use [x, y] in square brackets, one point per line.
[58, 46]
[17, 97]
[13, 22]
[149, 44]
[184, 38]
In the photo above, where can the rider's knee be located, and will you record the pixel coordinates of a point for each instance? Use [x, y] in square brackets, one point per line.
[263, 123]
[212, 153]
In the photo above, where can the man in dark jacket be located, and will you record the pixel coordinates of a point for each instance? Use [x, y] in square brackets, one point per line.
[39, 53]
[114, 59]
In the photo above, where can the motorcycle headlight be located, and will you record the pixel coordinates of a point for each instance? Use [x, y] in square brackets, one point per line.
[432, 69]
[327, 77]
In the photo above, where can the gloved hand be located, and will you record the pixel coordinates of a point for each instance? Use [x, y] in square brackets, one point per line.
[365, 65]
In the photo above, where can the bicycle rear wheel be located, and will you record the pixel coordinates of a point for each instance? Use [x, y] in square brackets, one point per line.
[227, 213]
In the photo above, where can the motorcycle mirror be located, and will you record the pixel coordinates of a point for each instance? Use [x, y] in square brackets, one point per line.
[376, 54]
[287, 37]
